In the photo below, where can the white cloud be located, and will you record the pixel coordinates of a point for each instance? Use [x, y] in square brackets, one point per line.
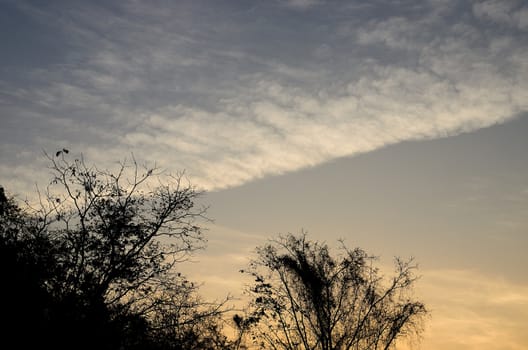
[395, 32]
[504, 12]
[301, 4]
[282, 129]
[253, 98]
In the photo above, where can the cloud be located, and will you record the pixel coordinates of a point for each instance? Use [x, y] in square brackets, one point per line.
[301, 4]
[508, 13]
[234, 93]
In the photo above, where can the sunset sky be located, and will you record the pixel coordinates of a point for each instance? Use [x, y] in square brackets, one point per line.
[399, 126]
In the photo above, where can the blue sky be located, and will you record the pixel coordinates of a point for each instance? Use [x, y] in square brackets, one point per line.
[399, 125]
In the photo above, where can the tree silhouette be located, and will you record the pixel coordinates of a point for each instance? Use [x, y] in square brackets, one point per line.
[303, 298]
[92, 265]
[93, 262]
[26, 263]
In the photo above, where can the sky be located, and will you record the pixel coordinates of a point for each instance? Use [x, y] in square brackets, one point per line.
[399, 126]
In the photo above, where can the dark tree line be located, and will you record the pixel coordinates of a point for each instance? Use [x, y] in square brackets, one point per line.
[93, 265]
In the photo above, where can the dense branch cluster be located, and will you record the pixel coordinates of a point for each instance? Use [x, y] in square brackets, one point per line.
[303, 298]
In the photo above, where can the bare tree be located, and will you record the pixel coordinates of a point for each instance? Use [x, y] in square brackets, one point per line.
[108, 244]
[303, 298]
[118, 231]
